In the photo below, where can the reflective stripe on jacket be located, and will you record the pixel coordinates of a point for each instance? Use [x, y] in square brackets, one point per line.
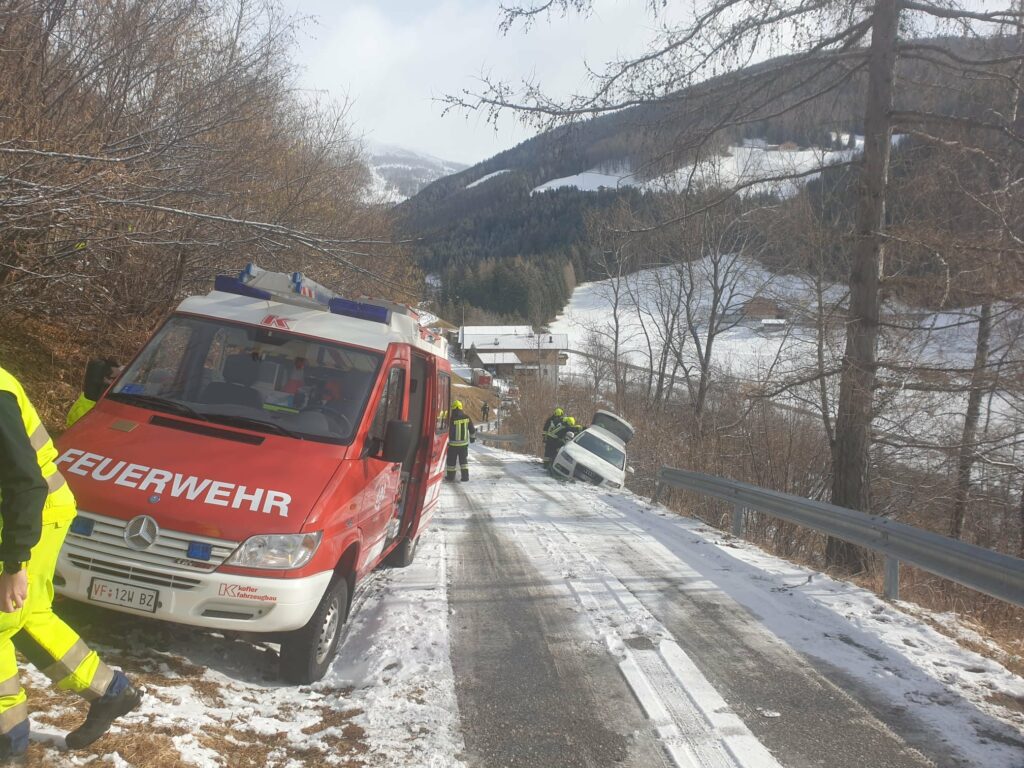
[461, 429]
[60, 503]
[552, 424]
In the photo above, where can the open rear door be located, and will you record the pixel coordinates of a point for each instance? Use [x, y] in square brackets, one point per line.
[430, 458]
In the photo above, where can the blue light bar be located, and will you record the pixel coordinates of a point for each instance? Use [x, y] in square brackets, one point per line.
[229, 284]
[360, 310]
[83, 526]
[199, 550]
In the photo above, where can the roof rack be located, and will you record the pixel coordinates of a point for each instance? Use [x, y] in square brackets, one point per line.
[295, 288]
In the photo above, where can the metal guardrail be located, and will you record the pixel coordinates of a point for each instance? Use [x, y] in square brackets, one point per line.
[492, 438]
[984, 570]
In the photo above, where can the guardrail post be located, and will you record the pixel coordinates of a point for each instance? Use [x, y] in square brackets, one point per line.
[737, 521]
[892, 578]
[657, 492]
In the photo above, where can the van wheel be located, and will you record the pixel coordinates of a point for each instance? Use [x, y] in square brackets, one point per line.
[307, 653]
[403, 553]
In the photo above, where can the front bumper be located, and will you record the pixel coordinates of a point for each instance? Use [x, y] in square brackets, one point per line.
[188, 590]
[212, 600]
[565, 466]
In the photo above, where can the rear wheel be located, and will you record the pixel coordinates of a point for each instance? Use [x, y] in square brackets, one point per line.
[306, 653]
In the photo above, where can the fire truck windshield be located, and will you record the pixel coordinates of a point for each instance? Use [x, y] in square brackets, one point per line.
[262, 379]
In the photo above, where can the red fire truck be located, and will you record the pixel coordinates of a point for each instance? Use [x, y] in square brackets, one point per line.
[270, 445]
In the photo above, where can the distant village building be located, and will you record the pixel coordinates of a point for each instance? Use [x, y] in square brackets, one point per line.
[514, 351]
[772, 324]
[763, 308]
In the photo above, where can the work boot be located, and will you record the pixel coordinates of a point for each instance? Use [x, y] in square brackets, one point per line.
[449, 478]
[120, 699]
[14, 744]
[465, 478]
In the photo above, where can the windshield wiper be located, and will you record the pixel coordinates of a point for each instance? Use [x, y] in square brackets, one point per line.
[161, 403]
[260, 425]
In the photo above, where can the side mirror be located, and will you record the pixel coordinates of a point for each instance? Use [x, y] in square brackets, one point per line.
[98, 375]
[631, 470]
[398, 439]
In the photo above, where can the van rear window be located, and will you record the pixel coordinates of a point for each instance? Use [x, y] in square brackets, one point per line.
[262, 379]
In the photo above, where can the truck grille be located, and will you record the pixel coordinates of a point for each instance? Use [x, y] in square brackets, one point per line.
[106, 549]
[130, 573]
[586, 475]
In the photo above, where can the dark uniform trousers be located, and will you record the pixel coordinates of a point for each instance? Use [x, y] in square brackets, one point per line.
[457, 454]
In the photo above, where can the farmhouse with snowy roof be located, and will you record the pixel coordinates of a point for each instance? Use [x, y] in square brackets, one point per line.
[514, 351]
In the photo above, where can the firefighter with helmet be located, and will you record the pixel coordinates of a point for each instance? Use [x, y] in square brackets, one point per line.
[551, 444]
[37, 508]
[565, 432]
[99, 374]
[461, 433]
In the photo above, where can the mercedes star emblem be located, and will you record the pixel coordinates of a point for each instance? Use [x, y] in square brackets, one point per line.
[141, 532]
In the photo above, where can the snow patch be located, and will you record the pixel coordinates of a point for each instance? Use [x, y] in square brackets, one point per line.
[488, 177]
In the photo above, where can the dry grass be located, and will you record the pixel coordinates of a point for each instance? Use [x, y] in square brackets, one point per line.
[49, 359]
[1015, 703]
[246, 749]
[473, 398]
[334, 739]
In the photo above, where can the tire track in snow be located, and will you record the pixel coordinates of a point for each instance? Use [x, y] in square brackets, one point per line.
[805, 719]
[530, 691]
[693, 724]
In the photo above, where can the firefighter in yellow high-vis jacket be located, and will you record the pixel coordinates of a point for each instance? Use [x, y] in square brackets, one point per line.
[461, 433]
[37, 507]
[99, 374]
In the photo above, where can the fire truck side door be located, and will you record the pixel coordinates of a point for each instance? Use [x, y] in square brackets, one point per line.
[382, 477]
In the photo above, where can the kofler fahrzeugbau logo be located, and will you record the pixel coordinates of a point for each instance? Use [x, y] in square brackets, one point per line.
[160, 481]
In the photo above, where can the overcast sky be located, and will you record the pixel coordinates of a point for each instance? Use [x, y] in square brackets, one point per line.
[392, 58]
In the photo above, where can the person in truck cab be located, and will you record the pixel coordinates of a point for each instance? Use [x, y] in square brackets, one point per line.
[460, 434]
[335, 405]
[37, 507]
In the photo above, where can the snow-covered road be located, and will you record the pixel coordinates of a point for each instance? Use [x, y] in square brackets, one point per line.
[546, 624]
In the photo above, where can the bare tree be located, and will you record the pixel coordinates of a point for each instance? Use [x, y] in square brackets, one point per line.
[146, 146]
[835, 47]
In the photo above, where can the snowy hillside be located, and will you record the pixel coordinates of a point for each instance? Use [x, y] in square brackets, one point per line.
[400, 173]
[773, 356]
[746, 345]
[745, 348]
[756, 167]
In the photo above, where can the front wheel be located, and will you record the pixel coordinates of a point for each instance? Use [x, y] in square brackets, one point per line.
[306, 653]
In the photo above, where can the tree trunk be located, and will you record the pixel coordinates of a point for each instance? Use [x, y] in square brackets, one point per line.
[850, 462]
[1020, 550]
[826, 413]
[967, 447]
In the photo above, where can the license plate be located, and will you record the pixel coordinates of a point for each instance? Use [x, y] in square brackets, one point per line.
[113, 593]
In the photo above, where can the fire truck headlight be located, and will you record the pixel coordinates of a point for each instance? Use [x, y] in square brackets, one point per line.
[284, 551]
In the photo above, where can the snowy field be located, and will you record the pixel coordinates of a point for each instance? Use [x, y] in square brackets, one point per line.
[753, 167]
[672, 644]
[744, 349]
[486, 178]
[763, 359]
